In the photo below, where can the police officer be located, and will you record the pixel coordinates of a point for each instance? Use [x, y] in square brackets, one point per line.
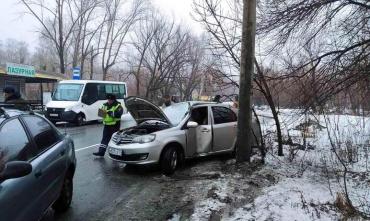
[112, 121]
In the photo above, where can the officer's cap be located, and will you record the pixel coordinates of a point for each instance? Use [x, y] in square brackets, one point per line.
[111, 97]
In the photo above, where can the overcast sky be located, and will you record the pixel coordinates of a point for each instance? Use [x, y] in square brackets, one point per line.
[15, 24]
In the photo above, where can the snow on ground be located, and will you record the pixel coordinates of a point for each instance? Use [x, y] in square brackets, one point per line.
[290, 199]
[304, 185]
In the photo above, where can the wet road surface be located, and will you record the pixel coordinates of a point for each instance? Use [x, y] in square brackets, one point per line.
[99, 183]
[109, 191]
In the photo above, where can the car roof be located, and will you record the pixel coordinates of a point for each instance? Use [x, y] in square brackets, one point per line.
[89, 81]
[198, 103]
[203, 103]
[11, 112]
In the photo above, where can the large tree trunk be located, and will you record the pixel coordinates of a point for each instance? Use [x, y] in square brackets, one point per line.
[82, 68]
[61, 63]
[244, 136]
[105, 73]
[61, 39]
[92, 56]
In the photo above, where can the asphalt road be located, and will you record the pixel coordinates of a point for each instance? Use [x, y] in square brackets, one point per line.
[99, 183]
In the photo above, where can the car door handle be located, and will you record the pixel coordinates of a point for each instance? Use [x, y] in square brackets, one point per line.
[62, 152]
[205, 130]
[38, 173]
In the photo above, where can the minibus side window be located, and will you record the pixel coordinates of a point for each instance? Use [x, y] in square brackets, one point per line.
[89, 97]
[122, 91]
[102, 95]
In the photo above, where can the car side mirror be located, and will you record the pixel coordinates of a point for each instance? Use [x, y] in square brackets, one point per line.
[192, 124]
[15, 169]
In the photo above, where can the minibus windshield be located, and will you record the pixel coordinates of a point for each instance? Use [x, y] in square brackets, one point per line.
[67, 92]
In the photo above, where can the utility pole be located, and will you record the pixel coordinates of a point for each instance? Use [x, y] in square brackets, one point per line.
[244, 134]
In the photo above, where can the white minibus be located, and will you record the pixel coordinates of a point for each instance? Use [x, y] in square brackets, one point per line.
[81, 99]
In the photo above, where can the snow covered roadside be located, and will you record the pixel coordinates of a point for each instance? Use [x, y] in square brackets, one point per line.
[305, 184]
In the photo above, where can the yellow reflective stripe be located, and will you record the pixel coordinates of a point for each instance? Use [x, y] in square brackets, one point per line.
[108, 120]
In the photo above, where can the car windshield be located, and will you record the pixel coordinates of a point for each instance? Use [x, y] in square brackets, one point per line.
[176, 112]
[67, 92]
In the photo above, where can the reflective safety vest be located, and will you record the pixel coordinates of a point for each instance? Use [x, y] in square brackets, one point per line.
[108, 120]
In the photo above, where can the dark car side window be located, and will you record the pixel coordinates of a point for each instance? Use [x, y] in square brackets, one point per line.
[222, 115]
[14, 143]
[89, 97]
[200, 115]
[43, 134]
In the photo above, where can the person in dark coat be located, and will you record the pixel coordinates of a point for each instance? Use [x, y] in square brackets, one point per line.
[217, 98]
[12, 96]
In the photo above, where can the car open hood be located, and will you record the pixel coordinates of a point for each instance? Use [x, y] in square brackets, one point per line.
[142, 110]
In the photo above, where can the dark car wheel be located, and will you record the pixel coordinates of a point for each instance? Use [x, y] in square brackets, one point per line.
[169, 161]
[64, 201]
[79, 119]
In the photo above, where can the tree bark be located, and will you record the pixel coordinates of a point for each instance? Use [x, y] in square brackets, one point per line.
[91, 63]
[265, 89]
[137, 85]
[61, 63]
[244, 136]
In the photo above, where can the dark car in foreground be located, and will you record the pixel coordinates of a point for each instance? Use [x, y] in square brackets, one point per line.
[37, 165]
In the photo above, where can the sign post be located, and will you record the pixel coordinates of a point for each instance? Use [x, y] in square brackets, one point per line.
[20, 70]
[76, 73]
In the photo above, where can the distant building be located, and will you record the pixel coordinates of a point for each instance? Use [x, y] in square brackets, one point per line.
[28, 81]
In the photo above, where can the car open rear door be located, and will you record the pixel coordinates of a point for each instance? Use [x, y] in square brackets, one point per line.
[224, 128]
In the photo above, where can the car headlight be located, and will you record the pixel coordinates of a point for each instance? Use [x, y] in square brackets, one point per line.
[144, 139]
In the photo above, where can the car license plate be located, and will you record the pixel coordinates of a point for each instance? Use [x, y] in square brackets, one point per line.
[115, 151]
[54, 115]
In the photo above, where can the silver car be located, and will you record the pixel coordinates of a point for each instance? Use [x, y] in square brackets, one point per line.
[169, 136]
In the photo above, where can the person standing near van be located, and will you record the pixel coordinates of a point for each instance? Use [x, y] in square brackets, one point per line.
[111, 112]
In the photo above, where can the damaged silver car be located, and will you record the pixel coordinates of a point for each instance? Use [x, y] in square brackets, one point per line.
[169, 136]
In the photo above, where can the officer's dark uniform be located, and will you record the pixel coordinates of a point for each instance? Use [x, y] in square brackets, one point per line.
[111, 121]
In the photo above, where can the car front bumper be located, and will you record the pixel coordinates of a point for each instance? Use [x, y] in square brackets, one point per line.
[135, 153]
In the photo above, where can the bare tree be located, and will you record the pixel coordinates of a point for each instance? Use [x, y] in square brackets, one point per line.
[189, 77]
[164, 57]
[44, 58]
[222, 20]
[16, 51]
[142, 40]
[58, 21]
[87, 28]
[116, 27]
[339, 28]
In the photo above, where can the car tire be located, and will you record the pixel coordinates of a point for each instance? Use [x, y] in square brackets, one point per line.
[169, 161]
[64, 201]
[79, 119]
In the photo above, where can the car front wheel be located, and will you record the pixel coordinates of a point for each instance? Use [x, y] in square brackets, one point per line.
[64, 201]
[80, 120]
[169, 161]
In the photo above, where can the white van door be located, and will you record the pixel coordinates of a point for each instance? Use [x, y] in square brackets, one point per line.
[92, 100]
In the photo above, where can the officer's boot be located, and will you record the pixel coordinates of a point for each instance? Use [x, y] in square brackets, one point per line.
[101, 151]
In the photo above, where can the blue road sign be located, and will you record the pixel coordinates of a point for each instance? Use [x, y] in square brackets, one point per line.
[76, 73]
